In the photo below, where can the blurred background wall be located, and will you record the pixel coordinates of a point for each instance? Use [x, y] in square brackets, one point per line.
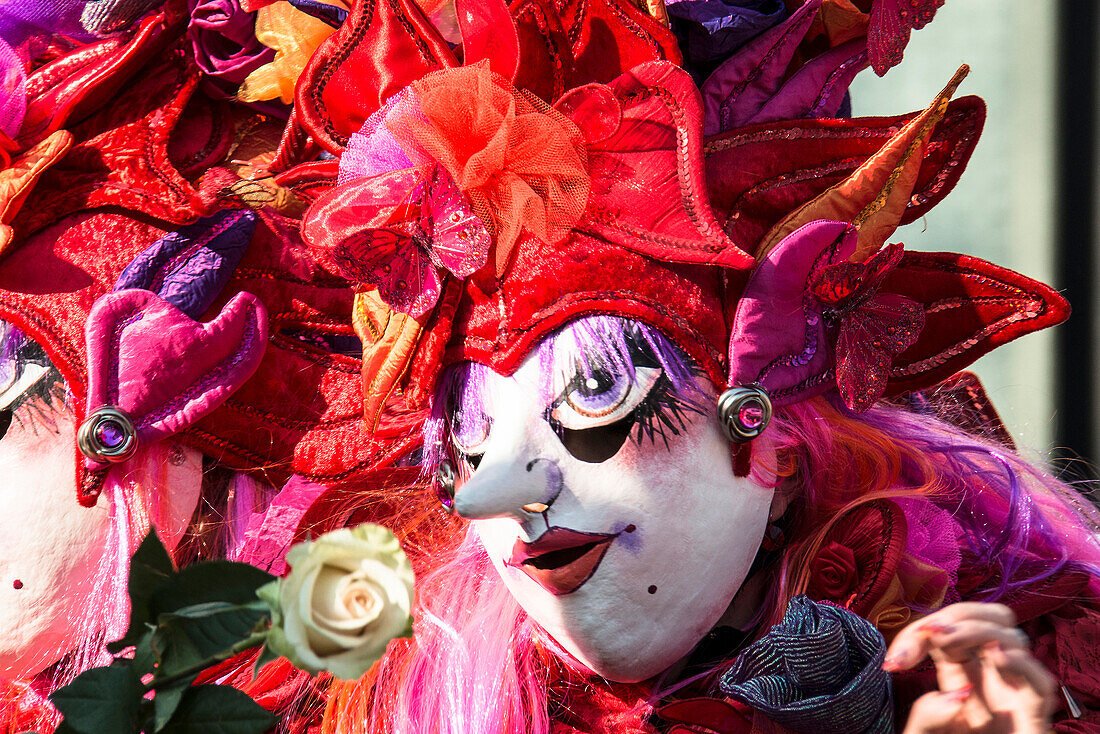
[1026, 199]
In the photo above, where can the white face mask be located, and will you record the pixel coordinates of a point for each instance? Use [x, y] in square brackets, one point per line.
[646, 534]
[51, 547]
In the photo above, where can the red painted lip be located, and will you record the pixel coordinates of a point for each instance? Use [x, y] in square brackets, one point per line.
[561, 560]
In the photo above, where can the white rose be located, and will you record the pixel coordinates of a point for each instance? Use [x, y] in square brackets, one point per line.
[347, 595]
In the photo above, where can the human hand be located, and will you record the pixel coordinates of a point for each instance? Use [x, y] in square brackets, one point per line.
[989, 681]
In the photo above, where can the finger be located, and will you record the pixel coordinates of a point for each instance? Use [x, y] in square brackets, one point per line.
[961, 642]
[1020, 670]
[956, 623]
[911, 644]
[953, 613]
[936, 711]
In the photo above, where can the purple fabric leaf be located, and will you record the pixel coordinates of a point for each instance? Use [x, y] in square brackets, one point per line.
[742, 85]
[818, 88]
[331, 14]
[716, 28]
[779, 336]
[189, 267]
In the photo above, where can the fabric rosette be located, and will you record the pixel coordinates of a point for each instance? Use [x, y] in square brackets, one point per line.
[449, 172]
[818, 671]
[347, 595]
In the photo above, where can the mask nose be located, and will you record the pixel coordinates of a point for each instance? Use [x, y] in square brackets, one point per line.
[517, 488]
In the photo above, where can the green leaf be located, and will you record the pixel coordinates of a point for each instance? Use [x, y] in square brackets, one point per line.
[203, 631]
[166, 701]
[218, 710]
[144, 655]
[212, 581]
[150, 568]
[175, 653]
[101, 701]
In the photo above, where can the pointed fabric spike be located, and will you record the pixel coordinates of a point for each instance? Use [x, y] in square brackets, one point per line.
[757, 175]
[874, 198]
[611, 37]
[488, 32]
[548, 68]
[389, 344]
[743, 84]
[380, 49]
[971, 307]
[662, 210]
[570, 43]
[818, 88]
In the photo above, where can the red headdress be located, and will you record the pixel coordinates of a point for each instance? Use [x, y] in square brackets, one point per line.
[712, 240]
[123, 175]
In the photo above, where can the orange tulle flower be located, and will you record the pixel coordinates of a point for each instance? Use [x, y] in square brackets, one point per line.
[521, 163]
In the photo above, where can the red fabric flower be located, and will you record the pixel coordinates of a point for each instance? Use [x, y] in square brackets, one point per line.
[858, 558]
[833, 573]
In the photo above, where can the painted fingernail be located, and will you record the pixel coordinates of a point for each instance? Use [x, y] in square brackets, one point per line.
[893, 664]
[938, 629]
[960, 695]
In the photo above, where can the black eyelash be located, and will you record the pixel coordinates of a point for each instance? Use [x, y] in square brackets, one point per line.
[662, 412]
[49, 393]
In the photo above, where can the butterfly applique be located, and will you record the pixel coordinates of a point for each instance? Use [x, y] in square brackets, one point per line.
[403, 260]
[873, 328]
[889, 28]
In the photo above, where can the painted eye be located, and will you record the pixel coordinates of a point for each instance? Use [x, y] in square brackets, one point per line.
[602, 397]
[470, 431]
[19, 382]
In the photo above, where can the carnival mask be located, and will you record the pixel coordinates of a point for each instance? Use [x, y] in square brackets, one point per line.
[602, 488]
[55, 557]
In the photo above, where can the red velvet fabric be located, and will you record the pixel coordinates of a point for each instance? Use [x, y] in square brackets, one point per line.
[971, 307]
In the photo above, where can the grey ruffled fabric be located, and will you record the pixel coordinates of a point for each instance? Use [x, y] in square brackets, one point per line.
[818, 671]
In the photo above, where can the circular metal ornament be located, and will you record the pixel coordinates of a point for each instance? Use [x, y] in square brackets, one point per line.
[744, 412]
[446, 477]
[108, 435]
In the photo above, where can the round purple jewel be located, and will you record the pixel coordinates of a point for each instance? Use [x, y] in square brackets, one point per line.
[110, 433]
[446, 477]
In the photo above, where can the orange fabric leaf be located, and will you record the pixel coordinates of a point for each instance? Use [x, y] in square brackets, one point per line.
[389, 343]
[17, 180]
[295, 36]
[874, 197]
[521, 163]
